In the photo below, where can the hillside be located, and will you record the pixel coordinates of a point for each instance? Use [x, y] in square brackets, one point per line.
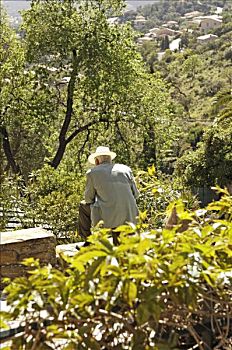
[196, 72]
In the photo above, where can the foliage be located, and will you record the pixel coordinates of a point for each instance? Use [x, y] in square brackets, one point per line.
[10, 199]
[165, 10]
[82, 81]
[52, 199]
[211, 162]
[25, 103]
[156, 193]
[158, 289]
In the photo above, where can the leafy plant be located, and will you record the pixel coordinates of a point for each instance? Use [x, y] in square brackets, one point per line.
[155, 195]
[158, 289]
[53, 197]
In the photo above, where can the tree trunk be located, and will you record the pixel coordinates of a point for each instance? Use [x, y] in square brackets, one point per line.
[8, 152]
[68, 116]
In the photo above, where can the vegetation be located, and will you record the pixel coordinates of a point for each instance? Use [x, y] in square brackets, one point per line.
[73, 81]
[158, 289]
[162, 11]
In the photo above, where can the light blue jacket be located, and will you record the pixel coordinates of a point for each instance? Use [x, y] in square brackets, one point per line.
[112, 193]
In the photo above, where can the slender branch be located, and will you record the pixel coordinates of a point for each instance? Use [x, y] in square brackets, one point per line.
[21, 100]
[37, 340]
[85, 127]
[223, 337]
[81, 150]
[123, 139]
[195, 337]
[119, 318]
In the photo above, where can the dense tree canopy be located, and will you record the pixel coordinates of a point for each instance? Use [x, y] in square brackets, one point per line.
[87, 80]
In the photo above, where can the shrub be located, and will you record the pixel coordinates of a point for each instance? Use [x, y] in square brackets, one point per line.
[53, 199]
[211, 162]
[155, 195]
[158, 289]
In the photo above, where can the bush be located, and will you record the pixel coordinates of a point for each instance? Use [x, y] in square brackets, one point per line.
[211, 162]
[10, 193]
[155, 195]
[53, 199]
[158, 289]
[50, 199]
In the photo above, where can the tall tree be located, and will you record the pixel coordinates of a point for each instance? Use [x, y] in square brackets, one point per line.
[99, 59]
[25, 101]
[83, 82]
[11, 58]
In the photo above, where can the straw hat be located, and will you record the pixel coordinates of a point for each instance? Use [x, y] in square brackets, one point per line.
[101, 151]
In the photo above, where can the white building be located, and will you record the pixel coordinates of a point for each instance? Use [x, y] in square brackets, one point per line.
[206, 38]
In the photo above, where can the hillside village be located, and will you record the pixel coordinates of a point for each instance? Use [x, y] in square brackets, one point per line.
[202, 23]
[189, 23]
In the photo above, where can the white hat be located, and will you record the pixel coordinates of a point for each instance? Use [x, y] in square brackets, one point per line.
[101, 151]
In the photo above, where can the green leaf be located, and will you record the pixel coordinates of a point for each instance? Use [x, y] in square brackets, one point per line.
[151, 170]
[106, 244]
[125, 229]
[142, 314]
[82, 299]
[3, 325]
[143, 215]
[85, 256]
[144, 245]
[96, 267]
[130, 292]
[78, 265]
[137, 274]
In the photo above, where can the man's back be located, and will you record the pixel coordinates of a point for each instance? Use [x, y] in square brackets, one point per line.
[111, 191]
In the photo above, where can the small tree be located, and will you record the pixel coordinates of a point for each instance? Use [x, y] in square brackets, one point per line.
[164, 43]
[211, 162]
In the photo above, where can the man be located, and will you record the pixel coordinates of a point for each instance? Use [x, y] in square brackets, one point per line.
[110, 193]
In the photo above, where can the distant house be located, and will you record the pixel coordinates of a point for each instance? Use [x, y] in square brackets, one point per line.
[206, 38]
[139, 22]
[193, 14]
[144, 39]
[206, 23]
[154, 30]
[160, 32]
[210, 23]
[170, 24]
[147, 37]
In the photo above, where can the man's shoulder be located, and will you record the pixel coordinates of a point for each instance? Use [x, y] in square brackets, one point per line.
[98, 169]
[121, 167]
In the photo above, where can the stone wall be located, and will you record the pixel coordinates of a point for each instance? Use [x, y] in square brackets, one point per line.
[21, 244]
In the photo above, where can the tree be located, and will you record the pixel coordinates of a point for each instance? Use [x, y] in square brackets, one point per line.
[164, 43]
[191, 66]
[211, 162]
[11, 57]
[24, 105]
[86, 81]
[86, 45]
